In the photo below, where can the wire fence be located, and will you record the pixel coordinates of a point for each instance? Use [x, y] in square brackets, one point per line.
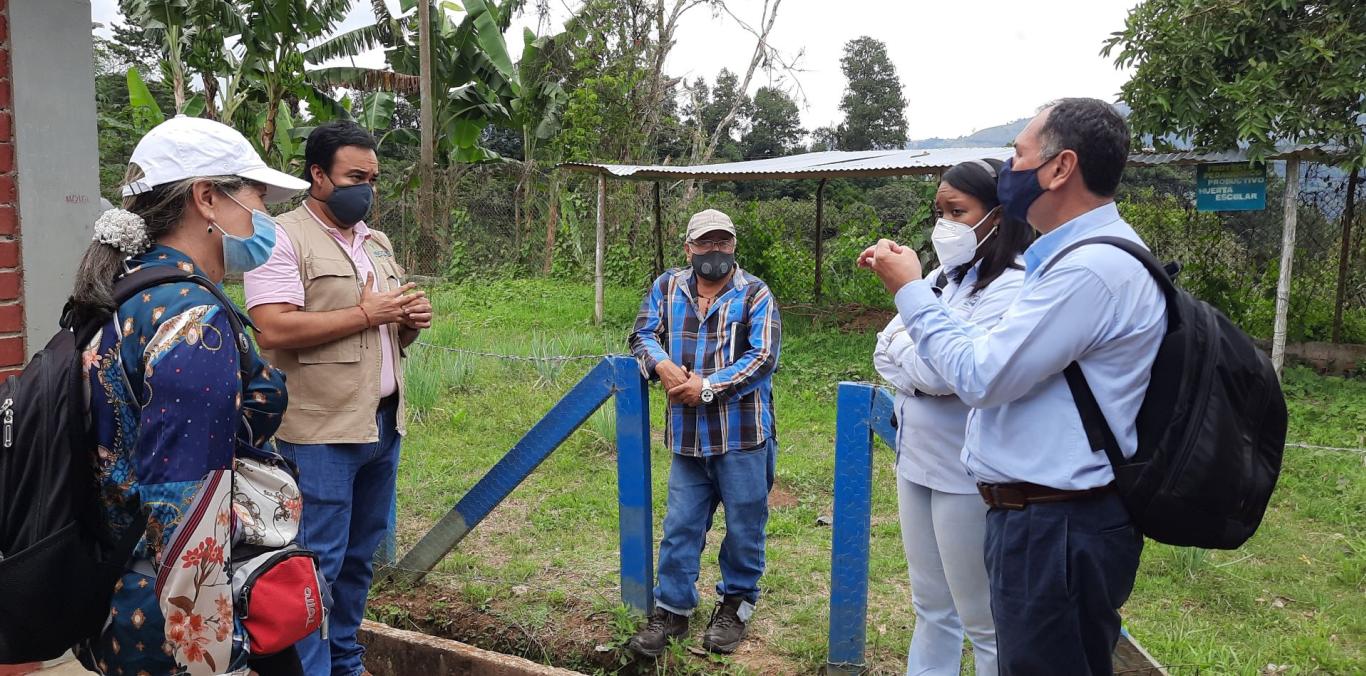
[566, 358]
[509, 220]
[558, 358]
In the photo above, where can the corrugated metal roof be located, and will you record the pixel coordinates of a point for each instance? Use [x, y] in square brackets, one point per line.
[871, 163]
[1303, 151]
[828, 164]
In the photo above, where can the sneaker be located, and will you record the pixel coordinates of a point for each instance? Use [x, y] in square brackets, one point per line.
[726, 630]
[654, 638]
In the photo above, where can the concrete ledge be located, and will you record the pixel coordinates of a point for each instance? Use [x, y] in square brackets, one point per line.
[1329, 358]
[395, 652]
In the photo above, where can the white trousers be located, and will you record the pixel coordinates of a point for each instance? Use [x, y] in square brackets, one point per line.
[944, 535]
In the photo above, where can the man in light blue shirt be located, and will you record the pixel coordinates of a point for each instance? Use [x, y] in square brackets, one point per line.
[1061, 550]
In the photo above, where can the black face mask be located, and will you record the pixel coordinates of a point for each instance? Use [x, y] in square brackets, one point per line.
[713, 265]
[350, 203]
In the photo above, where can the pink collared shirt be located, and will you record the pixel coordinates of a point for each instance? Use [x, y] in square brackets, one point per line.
[279, 281]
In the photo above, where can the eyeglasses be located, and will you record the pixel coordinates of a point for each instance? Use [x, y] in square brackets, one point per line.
[707, 245]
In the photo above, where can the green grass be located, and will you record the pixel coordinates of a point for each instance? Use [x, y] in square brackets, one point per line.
[539, 576]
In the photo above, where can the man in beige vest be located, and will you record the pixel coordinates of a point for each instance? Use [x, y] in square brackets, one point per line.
[332, 312]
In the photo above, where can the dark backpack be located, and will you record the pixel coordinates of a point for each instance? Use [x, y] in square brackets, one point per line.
[58, 562]
[1211, 429]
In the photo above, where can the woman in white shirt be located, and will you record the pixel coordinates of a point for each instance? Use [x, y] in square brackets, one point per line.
[943, 519]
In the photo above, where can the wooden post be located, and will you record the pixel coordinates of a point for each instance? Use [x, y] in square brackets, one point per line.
[600, 250]
[1345, 255]
[820, 236]
[425, 218]
[1290, 207]
[659, 235]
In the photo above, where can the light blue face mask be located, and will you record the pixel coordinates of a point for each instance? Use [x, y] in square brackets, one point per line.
[243, 254]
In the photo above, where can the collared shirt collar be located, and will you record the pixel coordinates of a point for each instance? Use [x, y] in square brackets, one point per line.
[1043, 248]
[360, 228]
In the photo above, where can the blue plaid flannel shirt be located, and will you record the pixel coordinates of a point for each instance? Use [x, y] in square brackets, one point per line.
[735, 347]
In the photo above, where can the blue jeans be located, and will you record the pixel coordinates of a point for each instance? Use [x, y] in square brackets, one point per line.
[740, 480]
[348, 492]
[1059, 573]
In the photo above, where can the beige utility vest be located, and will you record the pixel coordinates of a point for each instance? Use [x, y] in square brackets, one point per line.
[334, 387]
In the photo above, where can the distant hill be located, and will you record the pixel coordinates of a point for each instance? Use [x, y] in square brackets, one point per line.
[991, 137]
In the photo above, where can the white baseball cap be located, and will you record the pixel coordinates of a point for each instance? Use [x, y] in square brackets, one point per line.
[708, 220]
[193, 147]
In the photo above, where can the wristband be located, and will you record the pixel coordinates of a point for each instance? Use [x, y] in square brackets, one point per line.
[368, 325]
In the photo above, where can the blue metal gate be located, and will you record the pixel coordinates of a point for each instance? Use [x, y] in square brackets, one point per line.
[616, 376]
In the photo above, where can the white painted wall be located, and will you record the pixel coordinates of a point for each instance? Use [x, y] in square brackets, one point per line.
[56, 151]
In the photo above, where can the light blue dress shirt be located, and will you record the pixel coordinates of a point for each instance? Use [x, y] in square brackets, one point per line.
[1097, 306]
[932, 422]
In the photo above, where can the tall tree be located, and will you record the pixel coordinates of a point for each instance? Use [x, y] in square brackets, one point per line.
[130, 46]
[775, 127]
[874, 104]
[1255, 72]
[726, 96]
[825, 138]
[735, 99]
[614, 78]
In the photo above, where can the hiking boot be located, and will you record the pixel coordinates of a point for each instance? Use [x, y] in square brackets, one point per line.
[726, 630]
[654, 638]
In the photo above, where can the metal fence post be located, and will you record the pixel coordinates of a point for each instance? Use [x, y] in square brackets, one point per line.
[852, 528]
[633, 485]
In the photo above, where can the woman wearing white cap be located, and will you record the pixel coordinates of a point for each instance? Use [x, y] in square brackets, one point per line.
[168, 404]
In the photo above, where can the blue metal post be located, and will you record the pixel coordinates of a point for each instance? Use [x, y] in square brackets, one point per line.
[534, 447]
[852, 527]
[633, 485]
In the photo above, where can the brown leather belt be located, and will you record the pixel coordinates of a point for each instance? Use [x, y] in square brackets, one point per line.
[1019, 495]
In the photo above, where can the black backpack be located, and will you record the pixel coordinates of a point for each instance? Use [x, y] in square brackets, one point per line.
[58, 562]
[1211, 429]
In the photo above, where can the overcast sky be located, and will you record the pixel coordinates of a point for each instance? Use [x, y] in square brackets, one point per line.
[965, 64]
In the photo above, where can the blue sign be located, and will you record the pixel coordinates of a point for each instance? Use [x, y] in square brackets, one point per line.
[1230, 187]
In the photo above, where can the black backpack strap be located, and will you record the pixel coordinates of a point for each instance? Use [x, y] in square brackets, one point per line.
[1098, 432]
[150, 276]
[1161, 274]
[940, 282]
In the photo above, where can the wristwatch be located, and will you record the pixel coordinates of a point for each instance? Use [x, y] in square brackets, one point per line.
[708, 394]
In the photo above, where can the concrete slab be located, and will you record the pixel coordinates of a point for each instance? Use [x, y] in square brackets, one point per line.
[395, 652]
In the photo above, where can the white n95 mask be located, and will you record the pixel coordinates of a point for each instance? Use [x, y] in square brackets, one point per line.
[954, 242]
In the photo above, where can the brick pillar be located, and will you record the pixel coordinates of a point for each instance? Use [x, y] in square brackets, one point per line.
[12, 353]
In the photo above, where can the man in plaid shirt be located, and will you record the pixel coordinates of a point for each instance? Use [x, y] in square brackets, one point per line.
[710, 334]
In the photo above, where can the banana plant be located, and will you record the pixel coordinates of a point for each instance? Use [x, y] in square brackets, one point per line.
[146, 112]
[191, 33]
[535, 111]
[263, 66]
[273, 46]
[472, 73]
[377, 111]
